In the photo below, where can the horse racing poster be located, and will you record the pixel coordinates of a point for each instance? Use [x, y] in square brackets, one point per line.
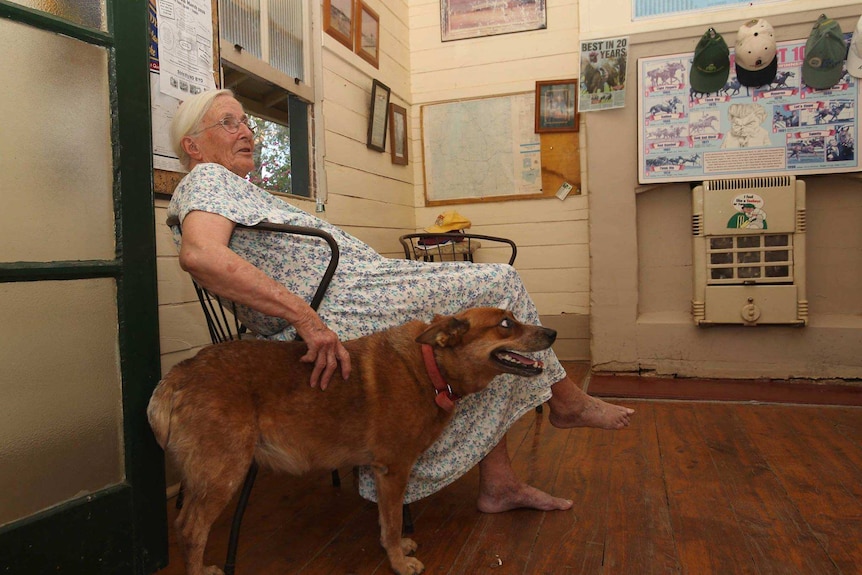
[783, 127]
[603, 74]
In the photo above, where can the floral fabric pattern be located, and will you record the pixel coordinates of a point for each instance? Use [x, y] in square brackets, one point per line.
[370, 293]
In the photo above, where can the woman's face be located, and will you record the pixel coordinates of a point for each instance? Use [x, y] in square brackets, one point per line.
[215, 144]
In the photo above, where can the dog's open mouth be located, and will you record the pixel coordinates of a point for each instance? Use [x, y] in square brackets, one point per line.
[518, 364]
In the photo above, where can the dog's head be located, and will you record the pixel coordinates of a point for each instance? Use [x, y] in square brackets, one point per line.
[477, 344]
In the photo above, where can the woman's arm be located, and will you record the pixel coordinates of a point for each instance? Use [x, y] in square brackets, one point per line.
[206, 256]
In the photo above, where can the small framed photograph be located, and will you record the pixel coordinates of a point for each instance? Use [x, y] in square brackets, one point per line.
[367, 34]
[398, 134]
[378, 116]
[338, 20]
[557, 106]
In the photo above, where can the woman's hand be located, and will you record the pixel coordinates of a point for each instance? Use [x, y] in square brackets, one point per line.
[325, 351]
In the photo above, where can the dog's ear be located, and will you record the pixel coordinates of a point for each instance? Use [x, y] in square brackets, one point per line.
[444, 332]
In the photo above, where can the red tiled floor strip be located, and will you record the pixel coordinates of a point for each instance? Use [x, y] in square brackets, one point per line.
[767, 391]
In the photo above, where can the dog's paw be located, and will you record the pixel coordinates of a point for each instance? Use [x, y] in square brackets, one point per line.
[410, 566]
[408, 546]
[213, 570]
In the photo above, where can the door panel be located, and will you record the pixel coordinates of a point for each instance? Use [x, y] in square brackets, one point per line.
[63, 432]
[89, 13]
[79, 358]
[58, 169]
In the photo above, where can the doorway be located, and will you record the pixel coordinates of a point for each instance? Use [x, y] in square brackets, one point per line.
[82, 477]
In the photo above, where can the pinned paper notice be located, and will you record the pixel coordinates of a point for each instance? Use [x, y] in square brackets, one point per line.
[564, 190]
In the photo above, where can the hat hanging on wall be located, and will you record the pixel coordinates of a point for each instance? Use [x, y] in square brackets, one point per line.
[755, 53]
[711, 64]
[854, 55]
[824, 54]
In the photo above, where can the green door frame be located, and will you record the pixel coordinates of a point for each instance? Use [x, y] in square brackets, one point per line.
[123, 528]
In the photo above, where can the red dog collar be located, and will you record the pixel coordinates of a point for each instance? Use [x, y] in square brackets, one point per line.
[445, 397]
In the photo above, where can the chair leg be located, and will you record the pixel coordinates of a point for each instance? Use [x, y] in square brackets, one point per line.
[336, 479]
[230, 562]
[406, 520]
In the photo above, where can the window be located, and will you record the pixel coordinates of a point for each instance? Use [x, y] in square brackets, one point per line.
[264, 51]
[272, 157]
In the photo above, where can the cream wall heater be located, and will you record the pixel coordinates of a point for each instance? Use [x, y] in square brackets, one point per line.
[749, 251]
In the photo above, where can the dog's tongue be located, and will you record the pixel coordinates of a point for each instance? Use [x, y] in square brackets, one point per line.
[516, 358]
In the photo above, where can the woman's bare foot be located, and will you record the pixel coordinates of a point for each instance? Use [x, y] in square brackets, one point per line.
[504, 498]
[501, 490]
[572, 407]
[591, 412]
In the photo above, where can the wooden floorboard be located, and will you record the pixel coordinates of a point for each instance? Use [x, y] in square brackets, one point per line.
[820, 473]
[638, 503]
[702, 519]
[692, 487]
[776, 537]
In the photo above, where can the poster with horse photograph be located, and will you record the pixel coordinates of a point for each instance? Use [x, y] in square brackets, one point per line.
[603, 74]
[784, 127]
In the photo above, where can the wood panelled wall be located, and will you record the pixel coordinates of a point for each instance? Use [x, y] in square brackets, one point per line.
[377, 201]
[552, 235]
[366, 194]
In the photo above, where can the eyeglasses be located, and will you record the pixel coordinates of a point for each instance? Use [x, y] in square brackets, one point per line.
[231, 124]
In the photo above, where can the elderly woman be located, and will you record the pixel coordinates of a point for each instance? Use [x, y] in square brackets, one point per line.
[271, 281]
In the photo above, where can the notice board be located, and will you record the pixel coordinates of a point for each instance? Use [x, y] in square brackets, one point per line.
[784, 127]
[486, 149]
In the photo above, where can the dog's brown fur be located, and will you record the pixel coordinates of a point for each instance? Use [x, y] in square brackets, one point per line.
[251, 399]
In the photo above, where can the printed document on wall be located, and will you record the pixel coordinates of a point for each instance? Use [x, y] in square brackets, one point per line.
[185, 47]
[783, 127]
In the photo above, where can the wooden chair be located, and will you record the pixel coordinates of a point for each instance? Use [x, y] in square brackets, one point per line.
[457, 247]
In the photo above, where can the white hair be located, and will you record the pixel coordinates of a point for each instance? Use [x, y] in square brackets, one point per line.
[188, 116]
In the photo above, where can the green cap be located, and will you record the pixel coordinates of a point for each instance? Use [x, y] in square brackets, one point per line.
[711, 64]
[824, 54]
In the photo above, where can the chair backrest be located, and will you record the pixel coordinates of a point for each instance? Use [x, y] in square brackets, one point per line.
[220, 315]
[430, 247]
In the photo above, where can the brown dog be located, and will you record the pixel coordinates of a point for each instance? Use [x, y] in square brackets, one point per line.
[251, 399]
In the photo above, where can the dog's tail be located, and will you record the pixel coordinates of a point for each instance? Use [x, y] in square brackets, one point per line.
[159, 411]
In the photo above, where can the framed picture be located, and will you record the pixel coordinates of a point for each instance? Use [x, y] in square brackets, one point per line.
[557, 106]
[378, 117]
[367, 34]
[460, 19]
[398, 134]
[338, 20]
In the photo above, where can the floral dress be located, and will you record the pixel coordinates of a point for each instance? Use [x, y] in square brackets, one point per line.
[370, 293]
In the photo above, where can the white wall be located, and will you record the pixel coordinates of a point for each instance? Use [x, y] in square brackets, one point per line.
[376, 200]
[552, 235]
[641, 322]
[367, 195]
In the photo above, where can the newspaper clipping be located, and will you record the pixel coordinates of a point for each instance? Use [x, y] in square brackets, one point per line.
[603, 74]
